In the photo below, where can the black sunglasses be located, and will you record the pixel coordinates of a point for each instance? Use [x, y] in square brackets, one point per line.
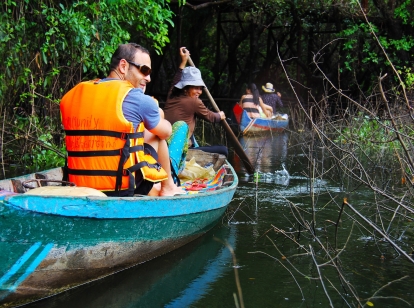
[145, 70]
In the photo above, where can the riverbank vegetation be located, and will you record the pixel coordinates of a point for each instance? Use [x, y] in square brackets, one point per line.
[49, 47]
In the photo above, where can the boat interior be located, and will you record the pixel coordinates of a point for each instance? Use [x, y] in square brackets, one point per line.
[53, 177]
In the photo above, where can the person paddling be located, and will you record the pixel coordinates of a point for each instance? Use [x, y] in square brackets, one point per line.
[183, 107]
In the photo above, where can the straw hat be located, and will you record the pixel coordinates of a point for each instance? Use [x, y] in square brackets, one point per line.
[191, 77]
[268, 88]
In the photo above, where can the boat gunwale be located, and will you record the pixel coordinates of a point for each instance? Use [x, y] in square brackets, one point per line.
[110, 205]
[263, 126]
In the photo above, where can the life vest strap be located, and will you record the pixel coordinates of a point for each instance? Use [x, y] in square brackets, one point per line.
[124, 172]
[94, 153]
[103, 153]
[106, 133]
[92, 172]
[136, 148]
[142, 164]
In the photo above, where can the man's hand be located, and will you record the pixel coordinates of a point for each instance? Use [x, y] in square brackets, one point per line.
[269, 113]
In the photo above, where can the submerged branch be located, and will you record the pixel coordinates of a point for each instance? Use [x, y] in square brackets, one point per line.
[371, 224]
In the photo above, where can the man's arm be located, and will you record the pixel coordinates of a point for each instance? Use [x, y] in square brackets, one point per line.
[163, 130]
[279, 99]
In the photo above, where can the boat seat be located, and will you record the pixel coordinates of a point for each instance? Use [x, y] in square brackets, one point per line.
[65, 191]
[16, 184]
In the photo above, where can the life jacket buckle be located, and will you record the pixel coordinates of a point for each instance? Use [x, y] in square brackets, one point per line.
[125, 172]
[157, 166]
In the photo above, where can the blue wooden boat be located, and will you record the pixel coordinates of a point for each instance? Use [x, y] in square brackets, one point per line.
[258, 125]
[50, 243]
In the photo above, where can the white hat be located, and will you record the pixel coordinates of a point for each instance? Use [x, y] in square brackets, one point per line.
[268, 88]
[191, 77]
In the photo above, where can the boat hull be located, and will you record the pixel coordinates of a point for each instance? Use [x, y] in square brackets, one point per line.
[257, 125]
[50, 244]
[156, 283]
[56, 261]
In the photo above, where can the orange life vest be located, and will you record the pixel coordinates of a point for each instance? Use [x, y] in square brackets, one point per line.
[103, 150]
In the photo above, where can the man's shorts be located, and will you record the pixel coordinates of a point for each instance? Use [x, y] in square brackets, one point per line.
[142, 186]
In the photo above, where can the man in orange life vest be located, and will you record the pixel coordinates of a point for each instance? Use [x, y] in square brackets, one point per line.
[108, 147]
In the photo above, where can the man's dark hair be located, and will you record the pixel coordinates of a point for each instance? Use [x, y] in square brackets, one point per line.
[127, 52]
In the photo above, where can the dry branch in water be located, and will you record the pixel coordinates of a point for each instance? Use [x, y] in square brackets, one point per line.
[366, 148]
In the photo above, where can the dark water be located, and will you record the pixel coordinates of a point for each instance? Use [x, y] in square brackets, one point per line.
[202, 273]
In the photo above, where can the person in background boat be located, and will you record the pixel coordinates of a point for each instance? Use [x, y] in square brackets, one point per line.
[271, 98]
[253, 103]
[183, 106]
[114, 131]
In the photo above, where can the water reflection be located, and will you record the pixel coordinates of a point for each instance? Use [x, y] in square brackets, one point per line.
[369, 263]
[266, 151]
[177, 279]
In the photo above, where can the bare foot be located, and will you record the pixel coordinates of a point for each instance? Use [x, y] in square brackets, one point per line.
[155, 190]
[171, 191]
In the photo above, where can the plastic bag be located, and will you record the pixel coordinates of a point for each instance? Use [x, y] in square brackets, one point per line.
[193, 171]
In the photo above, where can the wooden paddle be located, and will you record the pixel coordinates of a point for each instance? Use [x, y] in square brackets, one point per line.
[237, 146]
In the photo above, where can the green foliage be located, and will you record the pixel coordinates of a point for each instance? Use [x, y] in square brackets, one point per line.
[360, 47]
[407, 74]
[404, 12]
[41, 158]
[37, 149]
[149, 19]
[47, 47]
[373, 133]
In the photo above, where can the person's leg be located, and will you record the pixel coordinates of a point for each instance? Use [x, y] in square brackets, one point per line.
[155, 191]
[168, 187]
[178, 147]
